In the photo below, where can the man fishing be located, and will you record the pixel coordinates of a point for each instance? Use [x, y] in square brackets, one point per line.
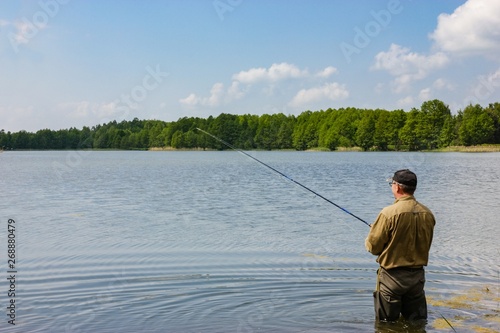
[401, 237]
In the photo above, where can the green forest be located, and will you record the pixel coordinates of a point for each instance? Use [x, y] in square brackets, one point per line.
[432, 126]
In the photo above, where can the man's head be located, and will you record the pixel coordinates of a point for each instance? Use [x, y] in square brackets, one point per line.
[404, 182]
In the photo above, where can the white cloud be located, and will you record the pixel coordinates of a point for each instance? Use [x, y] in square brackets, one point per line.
[274, 73]
[86, 109]
[251, 76]
[471, 29]
[79, 110]
[425, 94]
[218, 96]
[441, 84]
[25, 30]
[406, 101]
[18, 32]
[408, 66]
[215, 98]
[327, 72]
[234, 91]
[241, 83]
[330, 91]
[21, 33]
[438, 85]
[191, 100]
[399, 61]
[493, 79]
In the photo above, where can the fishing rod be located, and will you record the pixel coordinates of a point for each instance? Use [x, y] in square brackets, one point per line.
[283, 175]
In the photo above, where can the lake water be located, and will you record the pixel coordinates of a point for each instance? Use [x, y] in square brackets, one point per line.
[135, 241]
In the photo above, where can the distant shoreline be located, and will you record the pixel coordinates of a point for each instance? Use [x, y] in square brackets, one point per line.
[451, 149]
[461, 149]
[179, 149]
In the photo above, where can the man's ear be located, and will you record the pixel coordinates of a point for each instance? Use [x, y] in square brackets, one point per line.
[400, 190]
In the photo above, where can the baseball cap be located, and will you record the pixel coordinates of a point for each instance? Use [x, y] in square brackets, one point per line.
[405, 177]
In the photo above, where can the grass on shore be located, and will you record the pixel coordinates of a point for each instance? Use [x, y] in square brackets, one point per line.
[471, 149]
[463, 149]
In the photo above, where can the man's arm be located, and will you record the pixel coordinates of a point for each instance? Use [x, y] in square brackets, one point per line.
[378, 236]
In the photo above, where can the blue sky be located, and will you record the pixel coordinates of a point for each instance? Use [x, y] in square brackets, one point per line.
[75, 63]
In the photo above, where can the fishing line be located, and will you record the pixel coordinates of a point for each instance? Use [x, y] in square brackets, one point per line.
[283, 175]
[446, 320]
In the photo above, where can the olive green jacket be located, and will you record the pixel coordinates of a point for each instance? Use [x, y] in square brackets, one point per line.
[402, 234]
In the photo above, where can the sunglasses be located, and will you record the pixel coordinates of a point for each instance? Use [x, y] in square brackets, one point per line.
[391, 181]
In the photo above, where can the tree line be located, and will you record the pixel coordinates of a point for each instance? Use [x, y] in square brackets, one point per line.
[429, 127]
